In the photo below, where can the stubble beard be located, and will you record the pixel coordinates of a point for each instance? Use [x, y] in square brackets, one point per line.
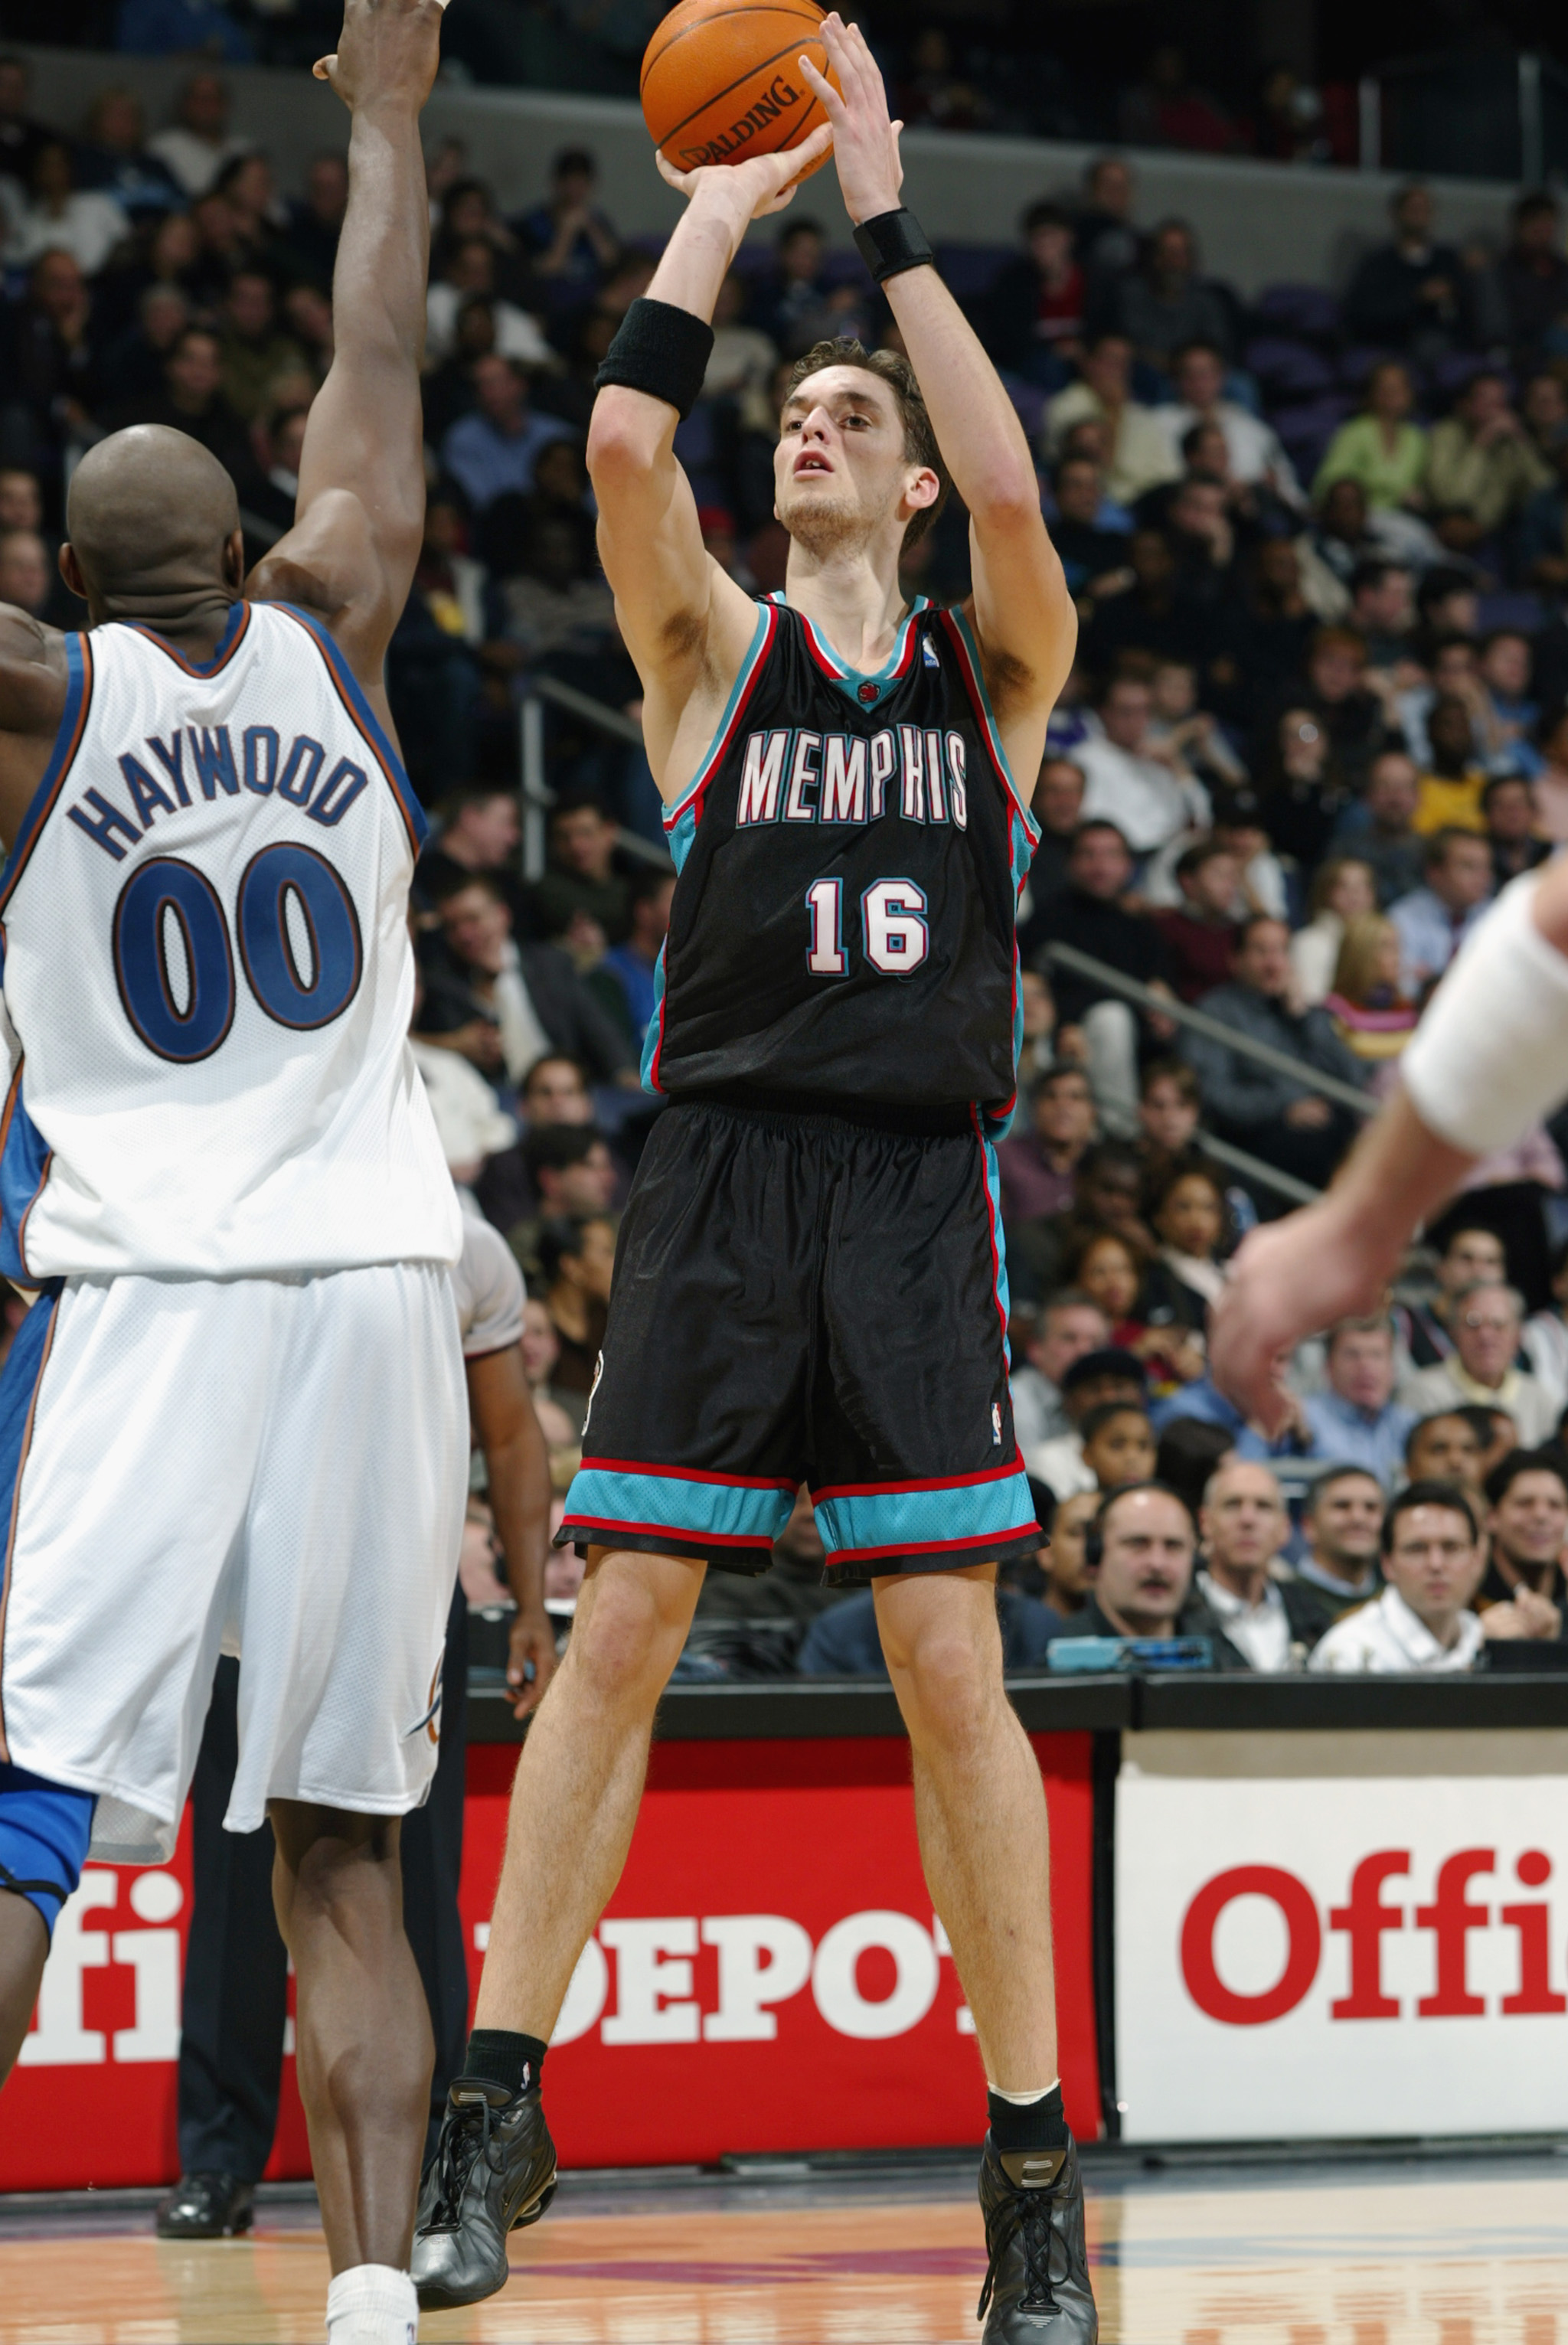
[822, 526]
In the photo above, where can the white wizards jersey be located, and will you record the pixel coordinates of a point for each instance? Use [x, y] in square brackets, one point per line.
[208, 977]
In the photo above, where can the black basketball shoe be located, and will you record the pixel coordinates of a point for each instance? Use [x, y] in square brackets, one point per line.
[205, 2207]
[1036, 2288]
[493, 2171]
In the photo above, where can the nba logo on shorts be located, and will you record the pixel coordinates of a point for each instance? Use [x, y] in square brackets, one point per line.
[996, 1425]
[928, 652]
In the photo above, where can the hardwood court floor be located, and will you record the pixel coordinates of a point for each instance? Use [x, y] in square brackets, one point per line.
[1434, 2254]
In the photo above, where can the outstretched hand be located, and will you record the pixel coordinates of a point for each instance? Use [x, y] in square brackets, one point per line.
[865, 137]
[761, 184]
[387, 53]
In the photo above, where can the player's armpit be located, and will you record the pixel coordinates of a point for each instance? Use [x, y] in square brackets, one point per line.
[330, 564]
[1023, 617]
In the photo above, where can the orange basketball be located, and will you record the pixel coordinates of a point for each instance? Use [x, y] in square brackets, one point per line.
[720, 80]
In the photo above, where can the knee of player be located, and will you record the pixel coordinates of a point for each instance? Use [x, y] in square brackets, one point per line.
[946, 1670]
[625, 1641]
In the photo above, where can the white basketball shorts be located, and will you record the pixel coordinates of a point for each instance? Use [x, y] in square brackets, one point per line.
[270, 1466]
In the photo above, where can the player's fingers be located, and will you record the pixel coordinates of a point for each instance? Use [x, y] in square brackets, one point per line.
[832, 103]
[667, 172]
[324, 67]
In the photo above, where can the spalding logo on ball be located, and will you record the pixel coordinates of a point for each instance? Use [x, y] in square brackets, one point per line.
[720, 81]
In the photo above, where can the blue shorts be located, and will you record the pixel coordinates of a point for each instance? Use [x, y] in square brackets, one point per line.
[44, 1834]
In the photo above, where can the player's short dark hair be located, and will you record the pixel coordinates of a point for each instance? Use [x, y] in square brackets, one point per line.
[920, 438]
[556, 1147]
[1507, 1471]
[1428, 1493]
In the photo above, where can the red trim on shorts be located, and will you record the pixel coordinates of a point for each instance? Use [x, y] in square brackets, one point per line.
[1019, 1533]
[661, 1530]
[940, 1482]
[692, 1473]
[991, 1221]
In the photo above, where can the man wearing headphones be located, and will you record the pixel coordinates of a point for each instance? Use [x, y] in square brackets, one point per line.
[1140, 1550]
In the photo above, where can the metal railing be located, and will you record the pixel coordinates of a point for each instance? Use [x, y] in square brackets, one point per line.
[1165, 1005]
[538, 798]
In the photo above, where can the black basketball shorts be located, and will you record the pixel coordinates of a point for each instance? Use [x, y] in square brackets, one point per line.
[804, 1297]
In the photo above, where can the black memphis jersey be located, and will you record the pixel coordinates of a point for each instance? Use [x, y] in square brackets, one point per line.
[851, 856]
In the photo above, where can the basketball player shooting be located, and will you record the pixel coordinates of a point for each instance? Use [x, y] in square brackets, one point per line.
[235, 1414]
[809, 1283]
[1487, 1061]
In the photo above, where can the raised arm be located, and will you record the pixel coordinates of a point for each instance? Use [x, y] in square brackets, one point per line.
[685, 624]
[1022, 613]
[360, 516]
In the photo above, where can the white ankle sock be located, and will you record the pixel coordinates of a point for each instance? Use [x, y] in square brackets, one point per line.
[1023, 2100]
[371, 2304]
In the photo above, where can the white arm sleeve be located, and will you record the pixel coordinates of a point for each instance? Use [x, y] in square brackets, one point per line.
[1490, 1058]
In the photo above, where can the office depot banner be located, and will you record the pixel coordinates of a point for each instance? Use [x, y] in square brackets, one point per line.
[769, 1978]
[1352, 1934]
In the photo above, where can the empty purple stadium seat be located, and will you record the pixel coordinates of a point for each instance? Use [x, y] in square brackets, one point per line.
[1357, 363]
[1306, 431]
[970, 269]
[1304, 309]
[1289, 371]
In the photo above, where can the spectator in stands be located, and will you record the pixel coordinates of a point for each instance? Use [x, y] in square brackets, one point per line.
[1451, 785]
[1435, 919]
[1527, 1527]
[1410, 295]
[1166, 108]
[315, 223]
[1508, 811]
[1037, 1167]
[1200, 932]
[1142, 1585]
[571, 1168]
[1186, 1453]
[25, 580]
[1509, 715]
[1342, 889]
[1138, 457]
[199, 143]
[134, 363]
[1272, 1623]
[1481, 470]
[1488, 1324]
[1383, 611]
[1381, 831]
[112, 159]
[479, 832]
[1093, 557]
[634, 963]
[1118, 1447]
[1355, 1419]
[60, 217]
[1035, 310]
[1070, 1326]
[1109, 1264]
[1278, 1117]
[1342, 1524]
[1546, 1332]
[504, 1005]
[1088, 914]
[843, 1639]
[1149, 796]
[494, 450]
[1253, 446]
[1156, 615]
[576, 1257]
[192, 401]
[560, 1414]
[1185, 1206]
[1532, 274]
[254, 351]
[573, 244]
[1544, 410]
[558, 602]
[1446, 1448]
[1168, 1109]
[467, 276]
[1094, 1380]
[20, 137]
[1433, 1562]
[1381, 448]
[1370, 1014]
[1058, 808]
[1342, 696]
[1069, 1582]
[1164, 305]
[1542, 542]
[555, 1090]
[584, 874]
[1107, 241]
[1471, 1256]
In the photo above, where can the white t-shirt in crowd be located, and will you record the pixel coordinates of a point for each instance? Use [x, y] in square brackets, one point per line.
[1386, 1639]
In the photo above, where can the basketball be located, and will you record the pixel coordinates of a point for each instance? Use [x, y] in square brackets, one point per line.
[720, 81]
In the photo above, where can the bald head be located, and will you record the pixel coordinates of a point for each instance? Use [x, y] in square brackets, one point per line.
[151, 514]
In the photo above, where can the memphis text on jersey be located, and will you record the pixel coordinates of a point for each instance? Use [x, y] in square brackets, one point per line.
[206, 761]
[790, 774]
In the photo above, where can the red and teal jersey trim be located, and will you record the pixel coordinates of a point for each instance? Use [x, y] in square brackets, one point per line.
[611, 1495]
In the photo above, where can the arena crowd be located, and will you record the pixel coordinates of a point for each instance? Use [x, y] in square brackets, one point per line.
[1318, 542]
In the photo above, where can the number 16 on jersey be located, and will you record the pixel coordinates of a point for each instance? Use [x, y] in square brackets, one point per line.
[893, 932]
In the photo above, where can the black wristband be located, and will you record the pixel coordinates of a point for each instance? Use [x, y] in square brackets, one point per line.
[662, 349]
[891, 243]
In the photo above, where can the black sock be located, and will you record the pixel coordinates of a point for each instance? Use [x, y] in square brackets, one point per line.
[502, 2058]
[1040, 2125]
